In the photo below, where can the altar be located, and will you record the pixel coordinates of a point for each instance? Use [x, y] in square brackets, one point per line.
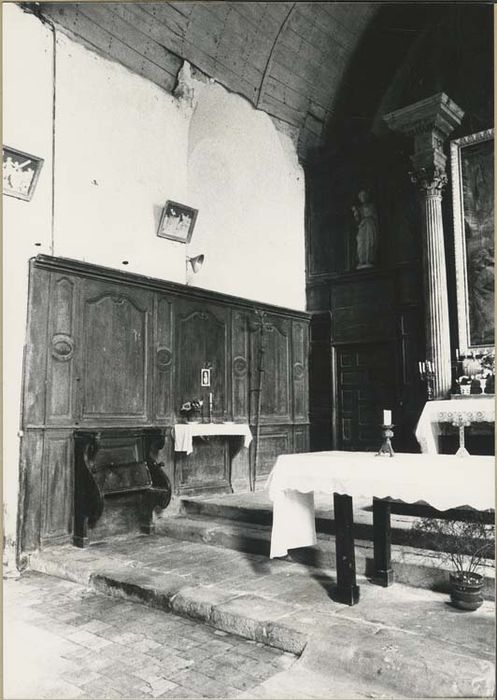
[211, 457]
[462, 412]
[439, 481]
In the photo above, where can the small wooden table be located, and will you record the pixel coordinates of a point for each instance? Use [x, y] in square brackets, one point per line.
[439, 482]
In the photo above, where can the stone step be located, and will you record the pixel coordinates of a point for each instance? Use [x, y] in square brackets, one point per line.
[409, 640]
[412, 566]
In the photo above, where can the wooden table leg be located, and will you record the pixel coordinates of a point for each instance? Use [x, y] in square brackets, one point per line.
[382, 538]
[347, 589]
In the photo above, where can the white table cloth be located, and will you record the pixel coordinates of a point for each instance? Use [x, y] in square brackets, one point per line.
[184, 433]
[442, 481]
[465, 410]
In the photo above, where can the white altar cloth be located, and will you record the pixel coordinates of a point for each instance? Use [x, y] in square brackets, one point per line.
[442, 481]
[468, 410]
[184, 433]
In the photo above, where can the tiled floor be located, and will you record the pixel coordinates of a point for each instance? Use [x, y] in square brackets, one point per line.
[64, 641]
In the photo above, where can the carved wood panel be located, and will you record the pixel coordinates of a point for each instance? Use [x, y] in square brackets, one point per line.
[115, 339]
[273, 441]
[35, 359]
[301, 439]
[163, 361]
[300, 351]
[30, 488]
[61, 339]
[57, 486]
[206, 469]
[202, 341]
[276, 368]
[240, 353]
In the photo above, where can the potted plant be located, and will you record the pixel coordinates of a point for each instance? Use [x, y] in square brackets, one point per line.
[190, 410]
[465, 545]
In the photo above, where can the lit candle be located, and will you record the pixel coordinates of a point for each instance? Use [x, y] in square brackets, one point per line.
[387, 417]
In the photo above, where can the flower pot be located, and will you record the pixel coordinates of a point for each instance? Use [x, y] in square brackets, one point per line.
[465, 591]
[465, 389]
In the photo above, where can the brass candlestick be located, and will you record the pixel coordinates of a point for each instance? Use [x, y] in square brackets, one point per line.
[386, 449]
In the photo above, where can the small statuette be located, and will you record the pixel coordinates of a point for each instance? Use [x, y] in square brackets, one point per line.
[386, 449]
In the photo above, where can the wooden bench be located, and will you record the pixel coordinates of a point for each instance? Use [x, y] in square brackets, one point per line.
[117, 475]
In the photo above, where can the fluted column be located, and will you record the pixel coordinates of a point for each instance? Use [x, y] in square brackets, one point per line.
[430, 122]
[435, 279]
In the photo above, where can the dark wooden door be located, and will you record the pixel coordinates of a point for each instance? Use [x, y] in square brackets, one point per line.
[366, 385]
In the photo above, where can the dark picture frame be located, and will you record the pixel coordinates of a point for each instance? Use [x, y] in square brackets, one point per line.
[177, 222]
[20, 173]
[472, 163]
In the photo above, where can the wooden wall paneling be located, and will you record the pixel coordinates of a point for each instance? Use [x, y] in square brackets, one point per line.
[301, 438]
[362, 310]
[207, 469]
[202, 332]
[115, 367]
[240, 354]
[61, 350]
[217, 356]
[57, 486]
[300, 371]
[35, 358]
[163, 360]
[30, 489]
[275, 394]
[274, 441]
[321, 395]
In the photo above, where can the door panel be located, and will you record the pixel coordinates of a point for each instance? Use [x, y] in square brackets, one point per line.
[366, 378]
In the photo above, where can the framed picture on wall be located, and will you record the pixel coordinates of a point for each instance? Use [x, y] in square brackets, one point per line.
[20, 173]
[472, 161]
[177, 222]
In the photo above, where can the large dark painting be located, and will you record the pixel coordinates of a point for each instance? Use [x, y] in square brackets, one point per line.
[473, 193]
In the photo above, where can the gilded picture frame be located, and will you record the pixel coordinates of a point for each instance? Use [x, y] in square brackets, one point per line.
[472, 168]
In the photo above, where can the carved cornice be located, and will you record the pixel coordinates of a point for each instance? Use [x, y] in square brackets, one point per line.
[173, 289]
[437, 113]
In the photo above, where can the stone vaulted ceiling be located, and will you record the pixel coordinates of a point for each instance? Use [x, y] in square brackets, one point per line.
[287, 58]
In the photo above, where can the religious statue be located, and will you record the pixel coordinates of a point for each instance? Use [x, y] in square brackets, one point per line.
[367, 230]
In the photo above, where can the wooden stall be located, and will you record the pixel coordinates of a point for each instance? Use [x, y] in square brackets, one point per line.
[107, 349]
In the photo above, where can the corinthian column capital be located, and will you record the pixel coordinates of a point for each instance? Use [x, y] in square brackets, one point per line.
[430, 181]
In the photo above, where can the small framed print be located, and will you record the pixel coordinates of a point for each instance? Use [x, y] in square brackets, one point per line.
[177, 222]
[205, 377]
[20, 173]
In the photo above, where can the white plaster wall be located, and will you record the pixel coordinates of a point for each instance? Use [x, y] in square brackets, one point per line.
[245, 178]
[120, 153]
[27, 126]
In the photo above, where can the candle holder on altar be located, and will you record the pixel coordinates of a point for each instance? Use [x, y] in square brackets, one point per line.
[427, 375]
[386, 449]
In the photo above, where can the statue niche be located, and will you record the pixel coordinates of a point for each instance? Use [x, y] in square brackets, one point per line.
[366, 217]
